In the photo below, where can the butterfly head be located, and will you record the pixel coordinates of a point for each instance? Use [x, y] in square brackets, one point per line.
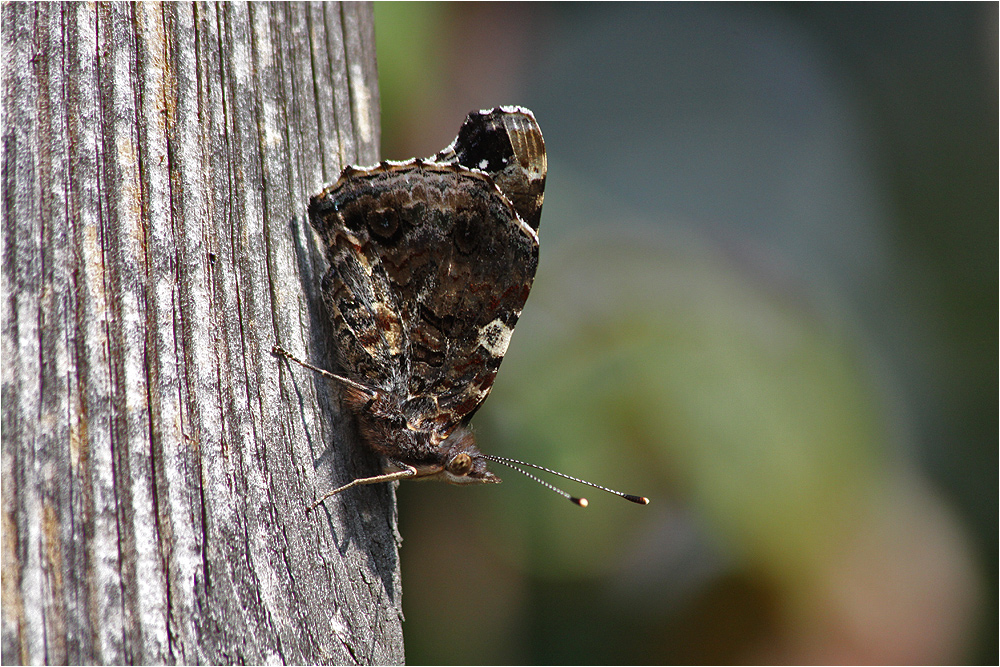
[459, 461]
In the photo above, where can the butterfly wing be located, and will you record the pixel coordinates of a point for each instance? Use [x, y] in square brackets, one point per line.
[430, 266]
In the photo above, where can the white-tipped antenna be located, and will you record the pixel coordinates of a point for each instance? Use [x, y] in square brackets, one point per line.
[582, 502]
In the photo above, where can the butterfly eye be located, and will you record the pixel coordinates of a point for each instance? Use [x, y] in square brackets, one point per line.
[460, 465]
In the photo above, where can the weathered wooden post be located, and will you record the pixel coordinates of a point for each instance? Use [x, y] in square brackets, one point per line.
[157, 460]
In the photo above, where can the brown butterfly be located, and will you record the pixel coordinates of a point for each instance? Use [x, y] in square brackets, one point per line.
[431, 261]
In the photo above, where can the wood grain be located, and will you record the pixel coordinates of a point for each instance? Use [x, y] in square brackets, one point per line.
[157, 460]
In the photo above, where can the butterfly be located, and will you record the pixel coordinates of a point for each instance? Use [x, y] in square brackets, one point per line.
[430, 264]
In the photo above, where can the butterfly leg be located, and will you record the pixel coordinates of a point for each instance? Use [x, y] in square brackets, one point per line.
[408, 471]
[281, 352]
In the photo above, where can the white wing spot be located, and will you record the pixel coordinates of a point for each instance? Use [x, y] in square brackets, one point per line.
[495, 337]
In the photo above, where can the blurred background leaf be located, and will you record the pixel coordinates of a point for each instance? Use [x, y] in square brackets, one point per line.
[765, 299]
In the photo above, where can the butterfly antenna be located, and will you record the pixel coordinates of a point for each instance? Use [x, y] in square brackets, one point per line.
[582, 502]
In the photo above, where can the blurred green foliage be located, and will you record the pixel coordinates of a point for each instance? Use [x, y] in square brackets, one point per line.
[765, 299]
